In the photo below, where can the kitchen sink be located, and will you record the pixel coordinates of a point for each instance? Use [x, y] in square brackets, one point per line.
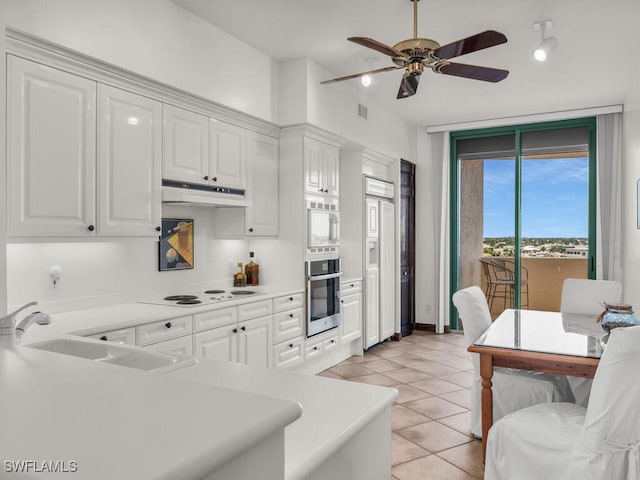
[116, 354]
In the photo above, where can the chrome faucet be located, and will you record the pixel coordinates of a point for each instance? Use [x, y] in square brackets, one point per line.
[10, 334]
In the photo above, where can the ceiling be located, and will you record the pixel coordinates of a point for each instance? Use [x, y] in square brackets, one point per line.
[596, 62]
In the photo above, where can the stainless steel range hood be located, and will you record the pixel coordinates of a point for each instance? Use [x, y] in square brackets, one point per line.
[179, 193]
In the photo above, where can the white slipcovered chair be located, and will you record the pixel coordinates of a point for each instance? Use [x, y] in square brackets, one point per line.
[512, 389]
[564, 441]
[587, 297]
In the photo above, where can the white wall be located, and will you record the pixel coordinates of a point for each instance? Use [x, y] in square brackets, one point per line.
[160, 40]
[631, 234]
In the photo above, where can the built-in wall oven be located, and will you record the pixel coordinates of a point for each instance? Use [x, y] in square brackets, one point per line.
[323, 295]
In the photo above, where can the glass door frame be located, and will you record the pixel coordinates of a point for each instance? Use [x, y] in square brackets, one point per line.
[516, 130]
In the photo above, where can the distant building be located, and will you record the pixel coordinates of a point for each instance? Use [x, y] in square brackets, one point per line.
[581, 251]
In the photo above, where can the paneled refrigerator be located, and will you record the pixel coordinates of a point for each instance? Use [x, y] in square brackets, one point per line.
[379, 241]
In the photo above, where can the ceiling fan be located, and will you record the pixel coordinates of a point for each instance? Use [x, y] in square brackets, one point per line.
[416, 53]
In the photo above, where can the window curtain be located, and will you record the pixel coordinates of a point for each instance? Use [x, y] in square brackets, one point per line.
[440, 189]
[609, 196]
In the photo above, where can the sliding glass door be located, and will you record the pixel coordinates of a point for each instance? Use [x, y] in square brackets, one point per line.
[523, 212]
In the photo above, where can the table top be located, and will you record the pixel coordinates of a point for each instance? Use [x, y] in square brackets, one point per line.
[545, 332]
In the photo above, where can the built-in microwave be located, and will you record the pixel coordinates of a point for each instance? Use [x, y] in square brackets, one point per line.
[323, 225]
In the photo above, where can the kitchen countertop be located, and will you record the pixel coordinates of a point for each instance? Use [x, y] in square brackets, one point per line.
[117, 422]
[332, 410]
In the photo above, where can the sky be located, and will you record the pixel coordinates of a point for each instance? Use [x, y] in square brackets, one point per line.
[554, 197]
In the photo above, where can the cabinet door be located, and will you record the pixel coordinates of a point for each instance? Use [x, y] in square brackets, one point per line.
[351, 309]
[372, 307]
[313, 166]
[261, 218]
[331, 169]
[219, 344]
[186, 146]
[227, 157]
[255, 342]
[371, 218]
[177, 346]
[129, 163]
[51, 147]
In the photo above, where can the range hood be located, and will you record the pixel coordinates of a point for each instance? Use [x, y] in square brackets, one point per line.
[181, 193]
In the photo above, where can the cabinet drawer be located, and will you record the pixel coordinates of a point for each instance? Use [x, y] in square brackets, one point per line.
[176, 346]
[164, 330]
[288, 354]
[313, 350]
[124, 335]
[288, 302]
[330, 343]
[214, 319]
[247, 311]
[287, 325]
[349, 288]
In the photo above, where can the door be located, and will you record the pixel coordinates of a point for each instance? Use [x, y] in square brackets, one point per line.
[313, 166]
[226, 154]
[186, 146]
[51, 146]
[129, 163]
[407, 247]
[387, 286]
[525, 211]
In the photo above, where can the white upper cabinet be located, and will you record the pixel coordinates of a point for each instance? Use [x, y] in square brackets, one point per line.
[321, 168]
[129, 163]
[261, 218]
[186, 146]
[226, 154]
[51, 146]
[202, 150]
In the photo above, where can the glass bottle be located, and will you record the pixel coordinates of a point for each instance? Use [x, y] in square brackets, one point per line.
[252, 270]
[239, 279]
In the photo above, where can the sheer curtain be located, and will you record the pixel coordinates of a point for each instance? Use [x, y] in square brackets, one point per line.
[609, 195]
[440, 188]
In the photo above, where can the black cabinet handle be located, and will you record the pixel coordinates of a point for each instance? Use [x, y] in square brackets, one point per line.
[243, 328]
[291, 315]
[168, 324]
[291, 345]
[91, 228]
[251, 229]
[315, 348]
[352, 285]
[341, 301]
[215, 179]
[235, 330]
[103, 338]
[158, 229]
[291, 299]
[206, 177]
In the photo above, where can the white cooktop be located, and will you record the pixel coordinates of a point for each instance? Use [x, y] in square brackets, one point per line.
[194, 298]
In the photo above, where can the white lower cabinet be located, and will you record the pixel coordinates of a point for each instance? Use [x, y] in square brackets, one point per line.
[351, 308]
[177, 346]
[249, 342]
[164, 330]
[288, 354]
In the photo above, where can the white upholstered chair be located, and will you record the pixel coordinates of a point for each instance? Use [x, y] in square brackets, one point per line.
[584, 296]
[512, 389]
[565, 441]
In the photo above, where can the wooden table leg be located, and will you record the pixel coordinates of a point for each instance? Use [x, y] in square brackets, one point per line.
[486, 372]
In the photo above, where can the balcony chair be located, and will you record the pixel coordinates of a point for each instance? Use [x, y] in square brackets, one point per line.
[567, 441]
[500, 282]
[587, 297]
[512, 389]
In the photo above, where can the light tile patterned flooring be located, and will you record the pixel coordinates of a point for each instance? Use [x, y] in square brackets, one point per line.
[431, 417]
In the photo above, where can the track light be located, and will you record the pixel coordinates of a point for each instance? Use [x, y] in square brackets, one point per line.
[547, 45]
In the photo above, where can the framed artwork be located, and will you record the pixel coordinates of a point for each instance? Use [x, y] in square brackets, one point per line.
[176, 244]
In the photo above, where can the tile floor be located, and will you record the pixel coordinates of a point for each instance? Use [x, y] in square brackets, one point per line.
[431, 417]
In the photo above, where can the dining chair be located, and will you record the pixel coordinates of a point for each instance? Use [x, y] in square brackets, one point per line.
[513, 389]
[568, 441]
[587, 297]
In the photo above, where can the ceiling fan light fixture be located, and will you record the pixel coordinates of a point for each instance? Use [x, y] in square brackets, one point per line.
[547, 45]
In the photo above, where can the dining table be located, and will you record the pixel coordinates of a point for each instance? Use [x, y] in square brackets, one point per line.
[551, 342]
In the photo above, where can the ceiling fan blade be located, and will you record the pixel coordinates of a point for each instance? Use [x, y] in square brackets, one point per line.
[408, 85]
[361, 74]
[483, 40]
[474, 72]
[377, 46]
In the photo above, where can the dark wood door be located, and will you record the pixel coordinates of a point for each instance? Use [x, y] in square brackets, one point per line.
[407, 247]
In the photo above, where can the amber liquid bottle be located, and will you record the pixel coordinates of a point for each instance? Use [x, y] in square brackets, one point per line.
[252, 271]
[239, 279]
